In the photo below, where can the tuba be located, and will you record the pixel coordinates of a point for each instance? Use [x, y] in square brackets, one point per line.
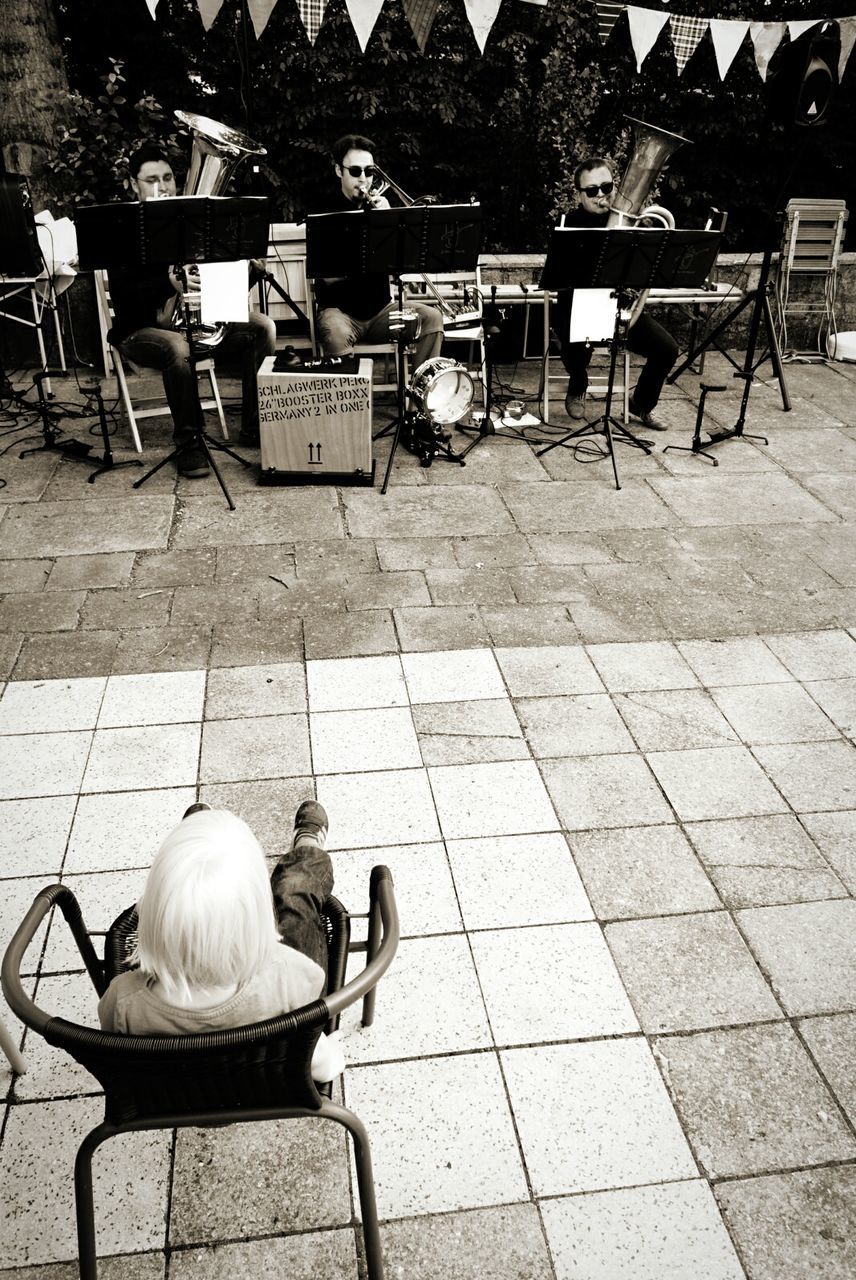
[652, 148]
[216, 153]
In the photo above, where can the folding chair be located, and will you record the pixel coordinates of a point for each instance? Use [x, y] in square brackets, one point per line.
[238, 1076]
[807, 279]
[115, 362]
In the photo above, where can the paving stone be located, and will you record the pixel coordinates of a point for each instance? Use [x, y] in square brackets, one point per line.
[751, 1101]
[756, 862]
[27, 479]
[641, 871]
[625, 667]
[281, 599]
[808, 951]
[129, 1266]
[491, 799]
[444, 677]
[563, 507]
[67, 653]
[417, 512]
[835, 836]
[24, 575]
[832, 1041]
[715, 782]
[646, 546]
[662, 1232]
[261, 518]
[774, 713]
[51, 705]
[234, 692]
[551, 669]
[599, 622]
[812, 775]
[268, 806]
[604, 791]
[529, 624]
[10, 646]
[835, 492]
[798, 1225]
[468, 732]
[476, 585]
[254, 747]
[569, 548]
[347, 684]
[241, 564]
[41, 611]
[33, 835]
[689, 972]
[731, 661]
[757, 499]
[203, 606]
[673, 719]
[624, 579]
[122, 610]
[257, 643]
[481, 552]
[452, 627]
[579, 724]
[823, 655]
[693, 613]
[838, 699]
[497, 461]
[458, 1244]
[778, 570]
[492, 893]
[385, 590]
[81, 528]
[74, 573]
[174, 568]
[351, 635]
[162, 649]
[337, 557]
[417, 553]
[323, 1255]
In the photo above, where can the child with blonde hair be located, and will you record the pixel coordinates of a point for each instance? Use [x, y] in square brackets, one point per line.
[218, 944]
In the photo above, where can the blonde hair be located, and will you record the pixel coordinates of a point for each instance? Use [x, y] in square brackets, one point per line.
[206, 916]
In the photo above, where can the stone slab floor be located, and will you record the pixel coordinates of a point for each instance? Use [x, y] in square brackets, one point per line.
[603, 739]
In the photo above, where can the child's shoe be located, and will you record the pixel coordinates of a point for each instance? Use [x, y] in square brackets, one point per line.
[310, 824]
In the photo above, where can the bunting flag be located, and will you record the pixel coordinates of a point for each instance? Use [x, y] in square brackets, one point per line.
[686, 33]
[482, 16]
[799, 27]
[363, 14]
[645, 26]
[311, 14]
[421, 15]
[847, 29]
[727, 37]
[766, 37]
[208, 10]
[608, 13]
[152, 6]
[260, 11]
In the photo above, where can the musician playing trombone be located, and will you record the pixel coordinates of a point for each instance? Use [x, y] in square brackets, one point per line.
[144, 301]
[357, 308]
[594, 184]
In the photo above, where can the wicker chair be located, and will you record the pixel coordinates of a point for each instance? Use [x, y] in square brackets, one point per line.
[245, 1074]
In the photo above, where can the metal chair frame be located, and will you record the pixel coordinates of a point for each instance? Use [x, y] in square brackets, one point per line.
[812, 246]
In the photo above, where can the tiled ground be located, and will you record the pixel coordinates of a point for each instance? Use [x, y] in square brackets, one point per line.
[605, 743]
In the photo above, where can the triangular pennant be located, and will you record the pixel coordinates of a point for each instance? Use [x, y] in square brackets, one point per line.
[766, 37]
[800, 26]
[645, 26]
[727, 37]
[152, 6]
[364, 14]
[311, 14]
[608, 13]
[686, 33]
[847, 28]
[421, 15]
[208, 10]
[482, 16]
[260, 11]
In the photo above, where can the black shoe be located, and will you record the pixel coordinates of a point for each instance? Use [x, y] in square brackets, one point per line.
[310, 823]
[646, 418]
[192, 462]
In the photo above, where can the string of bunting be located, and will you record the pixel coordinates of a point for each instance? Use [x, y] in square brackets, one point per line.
[727, 34]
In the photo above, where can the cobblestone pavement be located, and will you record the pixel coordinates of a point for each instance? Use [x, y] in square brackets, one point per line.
[604, 741]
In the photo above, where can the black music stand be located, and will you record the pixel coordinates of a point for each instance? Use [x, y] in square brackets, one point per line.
[623, 258]
[418, 239]
[180, 230]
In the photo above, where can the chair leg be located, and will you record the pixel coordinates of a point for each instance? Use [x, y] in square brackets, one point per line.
[125, 397]
[83, 1200]
[365, 1185]
[11, 1050]
[215, 391]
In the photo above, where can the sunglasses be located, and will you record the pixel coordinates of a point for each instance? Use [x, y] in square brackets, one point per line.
[591, 192]
[356, 171]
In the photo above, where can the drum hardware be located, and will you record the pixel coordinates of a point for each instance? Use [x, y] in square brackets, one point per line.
[440, 394]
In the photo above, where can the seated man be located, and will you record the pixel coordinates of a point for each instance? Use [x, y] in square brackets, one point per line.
[144, 300]
[594, 182]
[356, 308]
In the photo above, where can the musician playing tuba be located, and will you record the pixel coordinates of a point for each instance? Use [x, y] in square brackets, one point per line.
[595, 184]
[144, 301]
[357, 308]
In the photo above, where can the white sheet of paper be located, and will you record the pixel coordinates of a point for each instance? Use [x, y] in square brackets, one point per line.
[224, 292]
[592, 315]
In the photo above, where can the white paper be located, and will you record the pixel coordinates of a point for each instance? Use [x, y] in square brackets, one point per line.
[224, 292]
[592, 315]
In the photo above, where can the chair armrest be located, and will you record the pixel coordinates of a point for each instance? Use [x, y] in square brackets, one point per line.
[19, 1002]
[383, 920]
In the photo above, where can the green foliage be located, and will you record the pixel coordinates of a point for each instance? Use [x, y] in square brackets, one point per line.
[508, 126]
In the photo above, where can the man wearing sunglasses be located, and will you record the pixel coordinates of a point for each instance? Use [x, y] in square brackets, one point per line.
[595, 184]
[356, 308]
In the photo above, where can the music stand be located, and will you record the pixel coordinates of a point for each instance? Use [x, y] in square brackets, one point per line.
[623, 258]
[180, 230]
[418, 239]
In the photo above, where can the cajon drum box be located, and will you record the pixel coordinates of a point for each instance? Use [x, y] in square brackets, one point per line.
[316, 425]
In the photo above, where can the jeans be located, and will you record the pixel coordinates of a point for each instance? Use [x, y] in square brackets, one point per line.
[302, 881]
[338, 331]
[646, 338]
[245, 345]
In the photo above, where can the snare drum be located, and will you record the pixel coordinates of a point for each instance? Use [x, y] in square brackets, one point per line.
[442, 390]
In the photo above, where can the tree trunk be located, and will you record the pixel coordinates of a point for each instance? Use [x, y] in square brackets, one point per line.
[33, 93]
